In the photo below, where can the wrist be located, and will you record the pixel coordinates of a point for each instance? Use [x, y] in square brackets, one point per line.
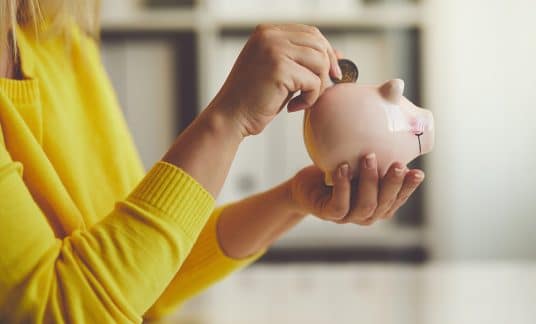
[223, 122]
[288, 200]
[230, 111]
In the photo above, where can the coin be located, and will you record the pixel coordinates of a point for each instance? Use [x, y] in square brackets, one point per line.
[350, 73]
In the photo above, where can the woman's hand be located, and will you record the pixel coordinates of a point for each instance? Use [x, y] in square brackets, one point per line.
[360, 201]
[276, 62]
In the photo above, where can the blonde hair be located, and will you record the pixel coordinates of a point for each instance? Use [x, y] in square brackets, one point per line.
[58, 13]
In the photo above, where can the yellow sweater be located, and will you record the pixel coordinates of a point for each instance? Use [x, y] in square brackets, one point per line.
[85, 237]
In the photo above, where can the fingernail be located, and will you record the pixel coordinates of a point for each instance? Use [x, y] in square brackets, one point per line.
[370, 161]
[399, 168]
[338, 71]
[343, 171]
[418, 176]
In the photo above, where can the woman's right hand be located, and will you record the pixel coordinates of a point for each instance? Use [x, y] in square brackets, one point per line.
[276, 62]
[363, 200]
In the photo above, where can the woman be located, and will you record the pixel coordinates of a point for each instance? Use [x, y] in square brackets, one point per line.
[85, 235]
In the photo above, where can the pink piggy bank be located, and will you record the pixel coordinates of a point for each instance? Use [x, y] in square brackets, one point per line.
[350, 121]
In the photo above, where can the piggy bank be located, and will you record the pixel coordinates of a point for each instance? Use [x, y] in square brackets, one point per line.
[350, 120]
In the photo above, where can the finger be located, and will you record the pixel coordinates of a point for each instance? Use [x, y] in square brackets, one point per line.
[367, 191]
[298, 27]
[309, 40]
[313, 60]
[412, 181]
[285, 103]
[335, 68]
[339, 202]
[305, 81]
[304, 35]
[338, 53]
[389, 188]
[319, 42]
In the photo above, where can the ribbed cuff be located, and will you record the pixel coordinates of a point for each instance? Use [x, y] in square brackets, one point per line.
[172, 193]
[21, 91]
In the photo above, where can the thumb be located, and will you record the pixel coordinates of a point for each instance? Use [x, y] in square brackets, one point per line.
[297, 104]
[339, 203]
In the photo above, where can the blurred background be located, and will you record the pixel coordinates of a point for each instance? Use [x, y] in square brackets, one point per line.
[463, 250]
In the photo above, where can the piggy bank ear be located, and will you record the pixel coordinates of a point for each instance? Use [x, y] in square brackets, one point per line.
[392, 90]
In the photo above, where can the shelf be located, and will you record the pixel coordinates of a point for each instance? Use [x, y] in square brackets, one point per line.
[198, 19]
[377, 16]
[172, 20]
[314, 233]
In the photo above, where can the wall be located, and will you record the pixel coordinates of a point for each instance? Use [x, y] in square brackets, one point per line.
[480, 80]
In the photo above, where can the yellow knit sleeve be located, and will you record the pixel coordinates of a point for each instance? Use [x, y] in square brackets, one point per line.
[205, 265]
[111, 273]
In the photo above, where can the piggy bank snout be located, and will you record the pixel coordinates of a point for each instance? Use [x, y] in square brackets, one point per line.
[428, 137]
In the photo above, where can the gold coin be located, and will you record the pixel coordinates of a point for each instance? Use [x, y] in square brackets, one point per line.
[350, 73]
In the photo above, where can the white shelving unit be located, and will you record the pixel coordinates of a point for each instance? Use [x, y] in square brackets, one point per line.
[197, 18]
[207, 22]
[365, 33]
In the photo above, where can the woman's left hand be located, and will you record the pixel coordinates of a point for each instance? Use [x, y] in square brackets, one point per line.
[359, 201]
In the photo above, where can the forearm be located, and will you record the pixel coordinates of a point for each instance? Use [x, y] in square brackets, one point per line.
[252, 224]
[206, 149]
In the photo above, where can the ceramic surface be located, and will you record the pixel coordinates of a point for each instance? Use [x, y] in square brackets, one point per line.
[351, 120]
